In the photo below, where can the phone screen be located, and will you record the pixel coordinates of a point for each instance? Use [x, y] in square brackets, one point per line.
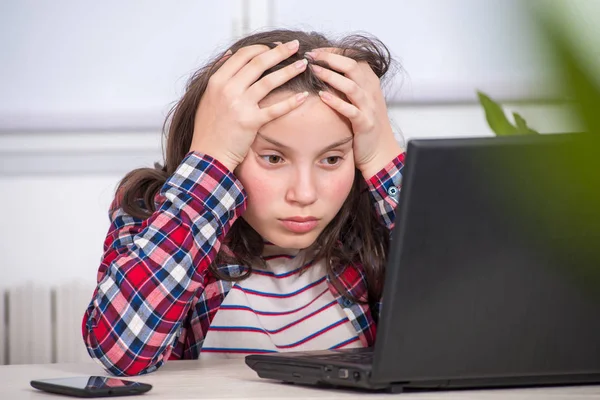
[91, 385]
[91, 382]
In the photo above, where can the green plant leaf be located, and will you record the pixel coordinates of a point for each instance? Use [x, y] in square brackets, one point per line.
[577, 77]
[577, 172]
[522, 127]
[495, 116]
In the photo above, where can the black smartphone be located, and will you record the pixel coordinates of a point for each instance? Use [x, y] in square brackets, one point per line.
[91, 386]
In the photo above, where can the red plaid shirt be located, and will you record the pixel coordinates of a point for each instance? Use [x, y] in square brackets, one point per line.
[156, 297]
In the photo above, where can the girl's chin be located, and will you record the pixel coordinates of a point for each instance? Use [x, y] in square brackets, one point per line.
[292, 244]
[288, 240]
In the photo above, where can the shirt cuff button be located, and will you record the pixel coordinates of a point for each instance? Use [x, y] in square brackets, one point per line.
[394, 193]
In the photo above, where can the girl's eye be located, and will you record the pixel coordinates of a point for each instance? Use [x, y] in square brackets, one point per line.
[333, 160]
[272, 159]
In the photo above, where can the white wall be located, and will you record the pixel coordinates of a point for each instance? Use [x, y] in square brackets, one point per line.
[69, 65]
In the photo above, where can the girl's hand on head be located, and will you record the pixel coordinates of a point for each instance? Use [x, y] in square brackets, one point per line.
[374, 142]
[228, 116]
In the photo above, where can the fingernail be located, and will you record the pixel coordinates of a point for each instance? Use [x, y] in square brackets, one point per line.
[228, 52]
[324, 95]
[310, 54]
[300, 97]
[316, 68]
[301, 63]
[293, 45]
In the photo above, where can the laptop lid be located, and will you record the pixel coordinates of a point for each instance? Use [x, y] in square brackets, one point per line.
[494, 267]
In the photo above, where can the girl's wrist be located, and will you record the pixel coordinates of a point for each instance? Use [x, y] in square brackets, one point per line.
[382, 158]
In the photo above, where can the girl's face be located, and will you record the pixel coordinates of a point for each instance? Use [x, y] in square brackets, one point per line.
[298, 173]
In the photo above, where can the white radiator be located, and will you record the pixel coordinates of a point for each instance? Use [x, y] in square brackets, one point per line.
[42, 324]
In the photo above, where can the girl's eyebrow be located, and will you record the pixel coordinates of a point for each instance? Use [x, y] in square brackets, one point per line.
[327, 148]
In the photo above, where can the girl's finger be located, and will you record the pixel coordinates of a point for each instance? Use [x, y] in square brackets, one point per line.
[346, 65]
[283, 107]
[348, 110]
[238, 60]
[275, 79]
[345, 85]
[262, 62]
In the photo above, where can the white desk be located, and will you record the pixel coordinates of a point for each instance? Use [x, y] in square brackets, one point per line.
[233, 380]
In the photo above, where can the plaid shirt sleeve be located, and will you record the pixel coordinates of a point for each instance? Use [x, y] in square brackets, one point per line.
[152, 269]
[385, 189]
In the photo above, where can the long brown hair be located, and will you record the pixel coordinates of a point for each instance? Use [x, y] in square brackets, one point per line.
[355, 237]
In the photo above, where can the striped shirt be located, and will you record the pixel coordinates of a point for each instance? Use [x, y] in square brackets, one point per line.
[287, 307]
[156, 297]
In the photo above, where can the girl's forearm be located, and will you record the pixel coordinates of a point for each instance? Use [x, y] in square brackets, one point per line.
[152, 268]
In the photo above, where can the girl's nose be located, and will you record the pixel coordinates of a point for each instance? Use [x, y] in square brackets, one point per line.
[302, 188]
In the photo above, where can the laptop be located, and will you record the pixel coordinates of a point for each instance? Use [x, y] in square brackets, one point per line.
[493, 273]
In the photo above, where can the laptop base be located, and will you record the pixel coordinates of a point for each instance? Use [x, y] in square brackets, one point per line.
[312, 371]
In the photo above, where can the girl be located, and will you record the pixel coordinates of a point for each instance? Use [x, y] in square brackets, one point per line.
[268, 226]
